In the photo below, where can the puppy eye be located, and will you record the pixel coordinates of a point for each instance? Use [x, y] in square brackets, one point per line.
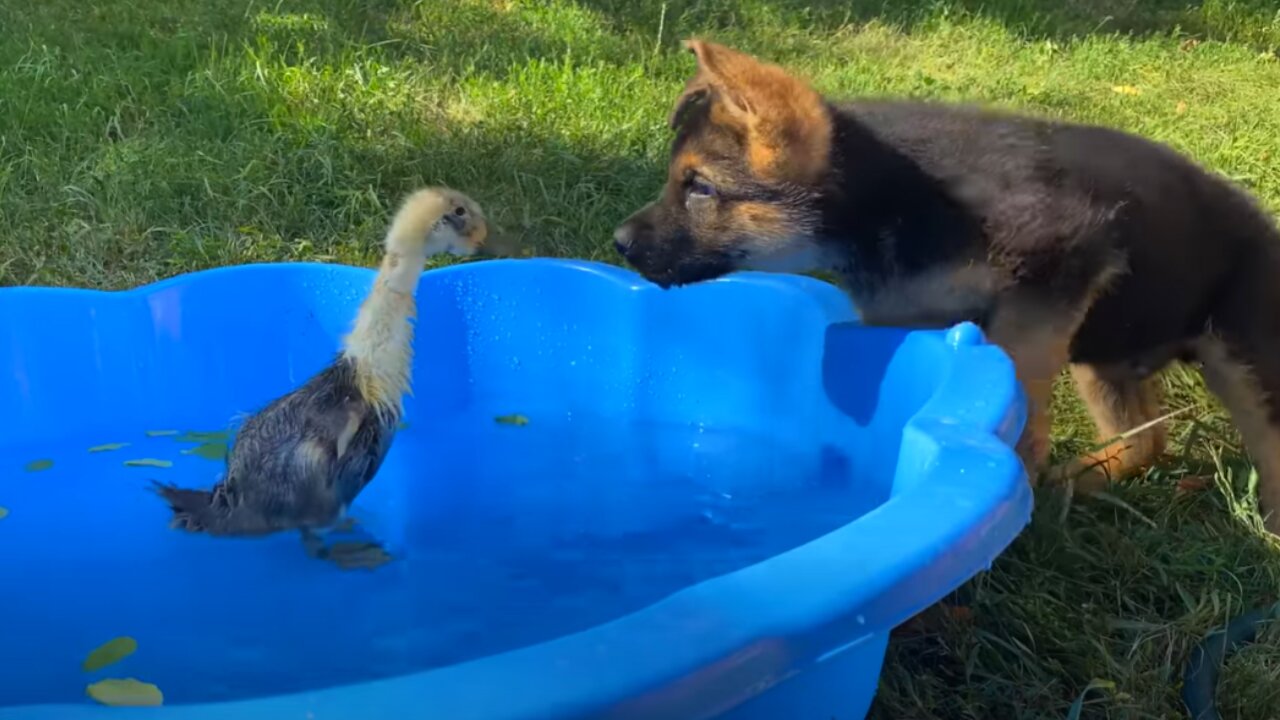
[701, 188]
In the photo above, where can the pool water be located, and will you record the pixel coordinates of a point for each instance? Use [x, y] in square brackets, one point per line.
[503, 535]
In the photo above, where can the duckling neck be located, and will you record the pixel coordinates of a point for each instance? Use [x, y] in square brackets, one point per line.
[400, 271]
[381, 343]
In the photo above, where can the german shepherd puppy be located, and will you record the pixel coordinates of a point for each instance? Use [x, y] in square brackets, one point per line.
[1068, 244]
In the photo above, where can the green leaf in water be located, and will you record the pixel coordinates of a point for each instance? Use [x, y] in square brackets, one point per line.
[129, 692]
[109, 653]
[196, 436]
[107, 447]
[161, 433]
[148, 462]
[4, 512]
[38, 465]
[209, 451]
[512, 419]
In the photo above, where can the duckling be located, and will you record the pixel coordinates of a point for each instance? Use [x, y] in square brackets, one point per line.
[299, 462]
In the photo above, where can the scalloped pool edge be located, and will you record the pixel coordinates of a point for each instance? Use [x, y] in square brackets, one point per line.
[752, 628]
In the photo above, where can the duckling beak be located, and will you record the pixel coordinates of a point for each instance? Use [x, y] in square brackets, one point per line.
[500, 244]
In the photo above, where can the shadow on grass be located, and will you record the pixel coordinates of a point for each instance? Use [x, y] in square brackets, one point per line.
[264, 178]
[469, 37]
[1250, 21]
[282, 133]
[451, 39]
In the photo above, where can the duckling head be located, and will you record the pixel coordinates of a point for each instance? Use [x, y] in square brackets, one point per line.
[436, 220]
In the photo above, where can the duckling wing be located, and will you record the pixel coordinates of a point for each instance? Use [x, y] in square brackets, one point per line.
[290, 484]
[285, 463]
[362, 452]
[332, 449]
[305, 456]
[339, 453]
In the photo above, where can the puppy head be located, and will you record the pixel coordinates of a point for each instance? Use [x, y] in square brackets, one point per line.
[752, 150]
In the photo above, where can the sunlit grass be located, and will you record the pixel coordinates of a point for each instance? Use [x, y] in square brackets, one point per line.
[139, 141]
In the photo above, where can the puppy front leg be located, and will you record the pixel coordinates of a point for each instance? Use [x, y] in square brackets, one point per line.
[1119, 403]
[1038, 338]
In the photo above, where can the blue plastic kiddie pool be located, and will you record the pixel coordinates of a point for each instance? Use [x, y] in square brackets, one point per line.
[609, 500]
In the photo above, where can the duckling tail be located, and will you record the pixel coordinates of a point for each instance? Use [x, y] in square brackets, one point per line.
[192, 509]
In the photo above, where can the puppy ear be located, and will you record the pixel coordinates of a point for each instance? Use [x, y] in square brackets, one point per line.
[706, 85]
[785, 122]
[714, 59]
[691, 96]
[718, 69]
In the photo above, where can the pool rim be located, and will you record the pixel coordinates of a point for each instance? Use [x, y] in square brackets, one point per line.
[716, 640]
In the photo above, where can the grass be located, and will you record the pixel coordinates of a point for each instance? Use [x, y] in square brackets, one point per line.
[142, 140]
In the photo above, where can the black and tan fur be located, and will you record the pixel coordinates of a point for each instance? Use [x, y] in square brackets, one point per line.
[1071, 245]
[299, 462]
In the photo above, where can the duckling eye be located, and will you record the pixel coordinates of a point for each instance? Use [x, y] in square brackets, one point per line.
[459, 211]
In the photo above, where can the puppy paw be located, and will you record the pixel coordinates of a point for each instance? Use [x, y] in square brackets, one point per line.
[1086, 475]
[1034, 452]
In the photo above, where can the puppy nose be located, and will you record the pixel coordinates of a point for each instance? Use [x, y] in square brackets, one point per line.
[622, 239]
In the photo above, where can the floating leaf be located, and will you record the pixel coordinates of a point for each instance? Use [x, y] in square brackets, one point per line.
[1126, 90]
[161, 433]
[196, 436]
[107, 447]
[4, 512]
[109, 653]
[512, 419]
[128, 692]
[148, 462]
[38, 465]
[209, 451]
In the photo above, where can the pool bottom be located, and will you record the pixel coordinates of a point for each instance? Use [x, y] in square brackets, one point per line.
[504, 536]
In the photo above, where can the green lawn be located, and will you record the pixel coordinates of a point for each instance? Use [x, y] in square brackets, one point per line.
[138, 141]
